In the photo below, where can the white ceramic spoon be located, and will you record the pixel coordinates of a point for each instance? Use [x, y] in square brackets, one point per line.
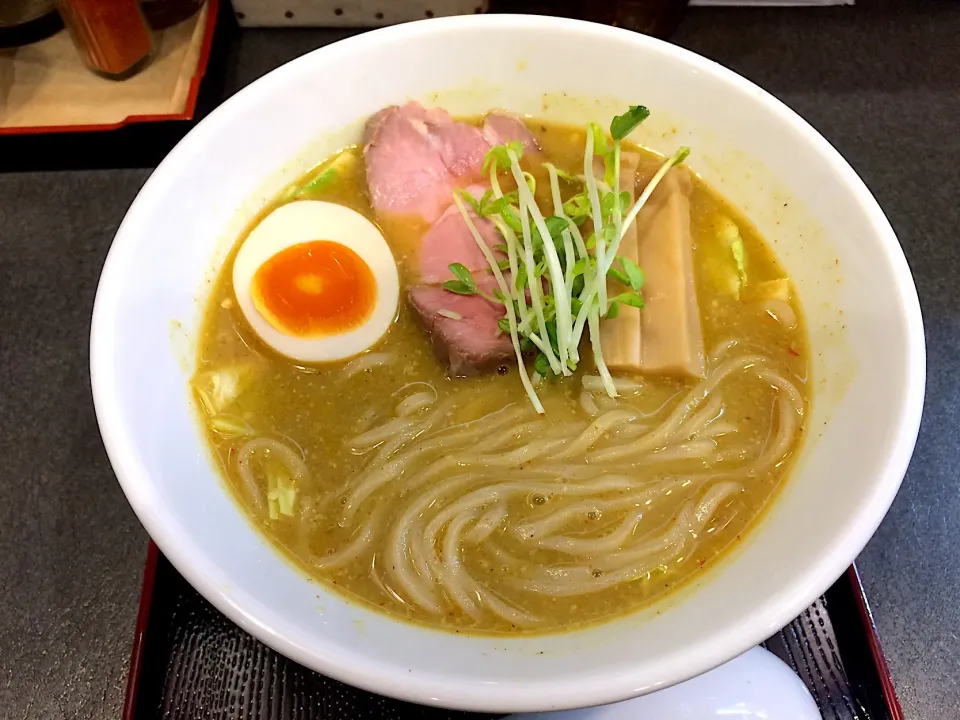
[755, 686]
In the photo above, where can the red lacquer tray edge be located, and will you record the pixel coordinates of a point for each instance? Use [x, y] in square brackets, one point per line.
[876, 650]
[187, 114]
[140, 632]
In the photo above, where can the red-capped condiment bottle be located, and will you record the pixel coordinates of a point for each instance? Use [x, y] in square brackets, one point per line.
[112, 35]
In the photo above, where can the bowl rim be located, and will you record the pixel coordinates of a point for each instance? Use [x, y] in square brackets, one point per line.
[713, 650]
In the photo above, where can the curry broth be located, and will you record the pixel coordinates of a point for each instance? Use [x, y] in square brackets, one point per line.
[318, 410]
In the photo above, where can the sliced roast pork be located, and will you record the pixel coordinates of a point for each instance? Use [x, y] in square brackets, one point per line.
[462, 328]
[501, 128]
[449, 240]
[415, 157]
[405, 173]
[462, 148]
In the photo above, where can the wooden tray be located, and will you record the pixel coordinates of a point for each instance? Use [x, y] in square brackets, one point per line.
[45, 87]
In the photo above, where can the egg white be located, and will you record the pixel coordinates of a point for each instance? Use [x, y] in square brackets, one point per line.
[307, 221]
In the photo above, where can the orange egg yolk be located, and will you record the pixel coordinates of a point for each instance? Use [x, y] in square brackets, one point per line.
[314, 289]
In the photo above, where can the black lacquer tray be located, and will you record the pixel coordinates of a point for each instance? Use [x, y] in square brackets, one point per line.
[189, 662]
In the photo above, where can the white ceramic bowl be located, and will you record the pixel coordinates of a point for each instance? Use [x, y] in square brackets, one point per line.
[857, 291]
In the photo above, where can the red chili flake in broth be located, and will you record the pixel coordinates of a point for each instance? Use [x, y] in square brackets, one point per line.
[793, 352]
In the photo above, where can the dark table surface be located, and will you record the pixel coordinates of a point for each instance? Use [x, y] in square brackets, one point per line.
[880, 81]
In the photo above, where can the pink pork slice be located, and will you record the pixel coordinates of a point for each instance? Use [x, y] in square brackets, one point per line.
[462, 148]
[470, 342]
[405, 173]
[449, 240]
[416, 156]
[501, 128]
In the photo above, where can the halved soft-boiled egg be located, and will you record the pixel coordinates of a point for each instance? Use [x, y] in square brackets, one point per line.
[316, 281]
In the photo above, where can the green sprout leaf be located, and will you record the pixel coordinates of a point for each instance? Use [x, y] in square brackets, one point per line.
[455, 286]
[521, 280]
[680, 155]
[490, 207]
[511, 219]
[464, 284]
[634, 273]
[613, 311]
[577, 207]
[552, 329]
[470, 200]
[461, 273]
[619, 276]
[499, 157]
[607, 202]
[542, 365]
[623, 125]
[555, 226]
[578, 285]
[484, 204]
[630, 298]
